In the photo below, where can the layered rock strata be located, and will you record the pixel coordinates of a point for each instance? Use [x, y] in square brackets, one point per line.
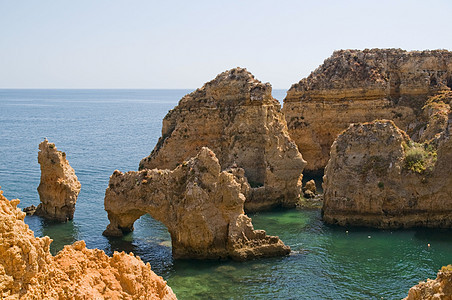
[434, 289]
[29, 271]
[361, 86]
[201, 206]
[236, 116]
[59, 186]
[378, 177]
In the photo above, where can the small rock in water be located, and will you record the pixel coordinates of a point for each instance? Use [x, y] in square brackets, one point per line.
[30, 210]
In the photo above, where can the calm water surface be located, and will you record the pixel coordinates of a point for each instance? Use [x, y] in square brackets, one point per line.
[104, 130]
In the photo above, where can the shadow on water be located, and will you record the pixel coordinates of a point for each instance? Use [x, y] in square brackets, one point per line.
[435, 235]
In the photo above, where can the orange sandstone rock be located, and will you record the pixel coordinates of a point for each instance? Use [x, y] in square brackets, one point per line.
[437, 289]
[59, 186]
[378, 177]
[29, 271]
[201, 206]
[236, 116]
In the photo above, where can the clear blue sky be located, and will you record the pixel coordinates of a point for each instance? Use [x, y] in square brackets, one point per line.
[182, 44]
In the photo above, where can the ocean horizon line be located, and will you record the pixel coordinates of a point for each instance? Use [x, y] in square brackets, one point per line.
[108, 89]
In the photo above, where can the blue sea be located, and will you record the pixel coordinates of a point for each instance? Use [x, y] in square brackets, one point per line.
[105, 130]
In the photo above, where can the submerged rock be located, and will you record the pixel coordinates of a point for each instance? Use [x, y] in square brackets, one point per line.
[59, 186]
[378, 177]
[201, 206]
[361, 86]
[29, 271]
[236, 116]
[434, 289]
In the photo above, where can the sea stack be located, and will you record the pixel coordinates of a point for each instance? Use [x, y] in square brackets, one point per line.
[236, 116]
[59, 186]
[378, 177]
[355, 86]
[29, 271]
[201, 206]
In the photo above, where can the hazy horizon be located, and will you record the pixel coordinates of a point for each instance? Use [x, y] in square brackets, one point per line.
[110, 44]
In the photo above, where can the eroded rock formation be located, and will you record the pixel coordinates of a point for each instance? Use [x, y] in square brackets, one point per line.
[236, 116]
[361, 86]
[59, 186]
[29, 271]
[201, 206]
[434, 289]
[378, 177]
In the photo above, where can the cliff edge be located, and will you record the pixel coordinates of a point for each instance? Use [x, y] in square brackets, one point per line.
[355, 86]
[29, 271]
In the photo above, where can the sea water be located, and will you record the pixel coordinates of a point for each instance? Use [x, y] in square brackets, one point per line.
[105, 130]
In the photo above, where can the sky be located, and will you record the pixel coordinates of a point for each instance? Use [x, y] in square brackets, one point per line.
[183, 44]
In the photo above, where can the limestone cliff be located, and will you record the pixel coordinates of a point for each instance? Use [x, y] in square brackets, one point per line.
[201, 206]
[236, 116]
[437, 289]
[378, 177]
[361, 86]
[59, 186]
[29, 271]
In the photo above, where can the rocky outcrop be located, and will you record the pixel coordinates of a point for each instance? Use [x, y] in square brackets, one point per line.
[201, 206]
[378, 177]
[361, 86]
[236, 116]
[59, 186]
[29, 271]
[437, 289]
[309, 190]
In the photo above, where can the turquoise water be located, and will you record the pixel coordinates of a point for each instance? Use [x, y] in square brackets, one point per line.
[104, 130]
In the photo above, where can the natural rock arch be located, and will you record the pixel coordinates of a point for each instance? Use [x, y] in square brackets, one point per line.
[201, 206]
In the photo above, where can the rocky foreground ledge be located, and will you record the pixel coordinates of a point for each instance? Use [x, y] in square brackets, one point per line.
[236, 116]
[201, 206]
[29, 271]
[434, 289]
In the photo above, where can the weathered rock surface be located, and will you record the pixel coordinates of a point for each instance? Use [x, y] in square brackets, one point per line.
[309, 190]
[59, 186]
[29, 271]
[361, 86]
[236, 116]
[378, 177]
[434, 289]
[201, 206]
